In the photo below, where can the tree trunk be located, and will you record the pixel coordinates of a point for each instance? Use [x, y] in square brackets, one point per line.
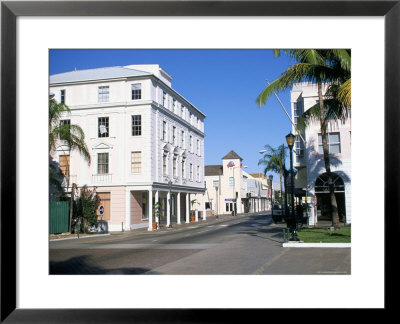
[333, 205]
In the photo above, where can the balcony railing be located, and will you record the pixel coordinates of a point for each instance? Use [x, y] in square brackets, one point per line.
[102, 178]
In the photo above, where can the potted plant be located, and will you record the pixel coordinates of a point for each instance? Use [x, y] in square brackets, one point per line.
[192, 212]
[157, 213]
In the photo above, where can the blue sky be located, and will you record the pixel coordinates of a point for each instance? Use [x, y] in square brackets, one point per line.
[223, 84]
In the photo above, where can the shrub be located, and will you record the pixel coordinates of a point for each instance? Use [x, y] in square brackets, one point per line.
[85, 208]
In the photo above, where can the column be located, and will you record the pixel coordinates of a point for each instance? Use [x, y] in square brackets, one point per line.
[127, 224]
[157, 217]
[187, 207]
[178, 207]
[204, 208]
[150, 210]
[196, 209]
[168, 209]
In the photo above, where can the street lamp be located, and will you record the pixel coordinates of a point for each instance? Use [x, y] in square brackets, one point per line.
[170, 203]
[270, 186]
[290, 139]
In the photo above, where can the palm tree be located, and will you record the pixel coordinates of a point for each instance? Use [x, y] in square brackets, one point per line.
[69, 135]
[274, 160]
[331, 67]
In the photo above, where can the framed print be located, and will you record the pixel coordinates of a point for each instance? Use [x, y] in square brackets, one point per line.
[193, 25]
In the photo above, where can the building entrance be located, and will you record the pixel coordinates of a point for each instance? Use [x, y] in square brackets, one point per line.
[323, 199]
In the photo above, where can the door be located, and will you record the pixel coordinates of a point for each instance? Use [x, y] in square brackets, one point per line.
[105, 201]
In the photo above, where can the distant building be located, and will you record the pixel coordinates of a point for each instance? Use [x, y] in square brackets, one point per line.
[230, 189]
[311, 178]
[145, 139]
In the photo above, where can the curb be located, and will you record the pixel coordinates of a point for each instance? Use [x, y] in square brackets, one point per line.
[75, 238]
[316, 245]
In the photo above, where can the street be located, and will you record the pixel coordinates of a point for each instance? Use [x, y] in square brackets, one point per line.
[244, 245]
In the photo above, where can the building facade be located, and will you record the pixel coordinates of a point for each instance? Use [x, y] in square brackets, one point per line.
[230, 190]
[145, 139]
[311, 179]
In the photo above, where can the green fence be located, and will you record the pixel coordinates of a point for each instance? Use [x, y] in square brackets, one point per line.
[59, 217]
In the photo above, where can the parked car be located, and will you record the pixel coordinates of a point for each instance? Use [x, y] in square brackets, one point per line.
[277, 213]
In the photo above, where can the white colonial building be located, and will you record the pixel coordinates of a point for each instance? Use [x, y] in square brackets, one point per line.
[146, 142]
[311, 178]
[229, 189]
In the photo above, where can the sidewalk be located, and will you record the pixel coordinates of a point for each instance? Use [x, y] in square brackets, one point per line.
[208, 221]
[163, 226]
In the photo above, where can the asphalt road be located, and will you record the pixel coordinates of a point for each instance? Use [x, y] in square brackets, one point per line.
[239, 245]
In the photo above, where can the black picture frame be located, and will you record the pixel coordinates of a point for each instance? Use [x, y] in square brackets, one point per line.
[10, 10]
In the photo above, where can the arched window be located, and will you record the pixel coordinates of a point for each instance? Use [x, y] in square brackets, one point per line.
[321, 184]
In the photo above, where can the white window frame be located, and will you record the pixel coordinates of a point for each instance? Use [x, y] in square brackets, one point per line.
[175, 167]
[136, 125]
[320, 148]
[136, 162]
[183, 169]
[165, 164]
[183, 139]
[103, 163]
[165, 131]
[103, 93]
[231, 182]
[174, 135]
[136, 91]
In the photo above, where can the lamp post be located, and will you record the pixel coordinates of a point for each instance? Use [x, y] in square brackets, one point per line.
[270, 186]
[170, 203]
[290, 138]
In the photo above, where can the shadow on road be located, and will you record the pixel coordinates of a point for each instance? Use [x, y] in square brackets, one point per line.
[79, 265]
[267, 233]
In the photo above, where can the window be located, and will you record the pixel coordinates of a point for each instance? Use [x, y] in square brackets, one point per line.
[183, 139]
[299, 147]
[104, 92]
[62, 96]
[103, 130]
[136, 91]
[174, 106]
[198, 173]
[215, 183]
[136, 125]
[174, 136]
[333, 140]
[62, 123]
[198, 147]
[191, 144]
[164, 164]
[164, 131]
[102, 163]
[191, 172]
[183, 112]
[165, 99]
[174, 167]
[64, 164]
[207, 205]
[298, 111]
[183, 169]
[136, 160]
[231, 182]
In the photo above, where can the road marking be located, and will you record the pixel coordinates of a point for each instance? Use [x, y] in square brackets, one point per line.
[189, 246]
[261, 269]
